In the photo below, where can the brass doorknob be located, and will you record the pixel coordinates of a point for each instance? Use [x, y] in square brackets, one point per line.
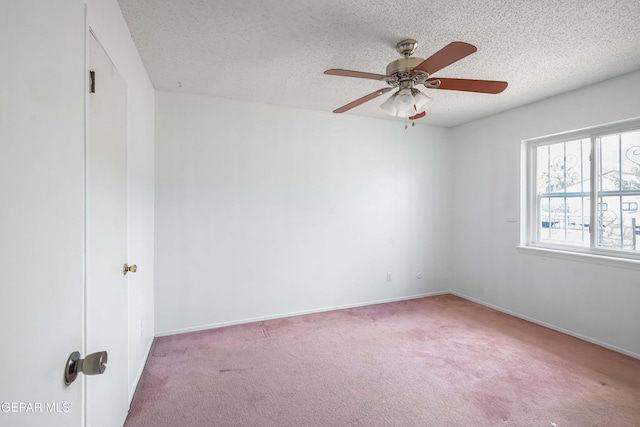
[129, 268]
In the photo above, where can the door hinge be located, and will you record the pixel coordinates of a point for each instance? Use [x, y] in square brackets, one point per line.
[92, 78]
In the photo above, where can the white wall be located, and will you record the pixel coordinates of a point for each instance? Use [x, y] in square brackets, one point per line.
[597, 302]
[106, 21]
[41, 207]
[263, 211]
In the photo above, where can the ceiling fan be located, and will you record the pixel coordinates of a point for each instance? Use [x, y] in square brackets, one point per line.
[409, 71]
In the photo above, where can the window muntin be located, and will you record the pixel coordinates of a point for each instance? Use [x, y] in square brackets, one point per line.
[577, 204]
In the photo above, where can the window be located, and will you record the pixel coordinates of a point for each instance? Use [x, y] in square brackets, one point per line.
[583, 190]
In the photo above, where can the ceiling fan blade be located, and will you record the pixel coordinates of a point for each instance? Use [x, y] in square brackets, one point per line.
[362, 100]
[482, 86]
[446, 56]
[359, 74]
[418, 116]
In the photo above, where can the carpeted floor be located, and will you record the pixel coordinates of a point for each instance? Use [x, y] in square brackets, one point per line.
[438, 361]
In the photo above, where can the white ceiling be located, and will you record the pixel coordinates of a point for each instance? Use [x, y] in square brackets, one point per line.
[275, 52]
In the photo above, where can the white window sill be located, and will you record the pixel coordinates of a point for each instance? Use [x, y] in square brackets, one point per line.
[590, 258]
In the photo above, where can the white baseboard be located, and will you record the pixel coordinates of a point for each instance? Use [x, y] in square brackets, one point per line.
[291, 314]
[405, 298]
[550, 326]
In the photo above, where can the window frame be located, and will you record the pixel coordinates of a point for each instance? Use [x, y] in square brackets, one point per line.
[530, 208]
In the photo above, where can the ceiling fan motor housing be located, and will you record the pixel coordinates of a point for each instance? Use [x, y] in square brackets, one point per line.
[401, 69]
[403, 65]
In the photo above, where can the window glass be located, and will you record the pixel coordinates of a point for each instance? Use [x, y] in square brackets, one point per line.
[630, 147]
[619, 191]
[562, 171]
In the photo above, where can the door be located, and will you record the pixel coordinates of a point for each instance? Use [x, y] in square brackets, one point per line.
[42, 138]
[106, 313]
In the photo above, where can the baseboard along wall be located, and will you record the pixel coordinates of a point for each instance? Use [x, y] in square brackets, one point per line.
[549, 325]
[295, 313]
[405, 298]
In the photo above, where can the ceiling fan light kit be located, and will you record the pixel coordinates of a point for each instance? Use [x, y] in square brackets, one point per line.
[406, 103]
[409, 71]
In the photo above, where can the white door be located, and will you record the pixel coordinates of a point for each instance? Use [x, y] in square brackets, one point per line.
[106, 314]
[42, 137]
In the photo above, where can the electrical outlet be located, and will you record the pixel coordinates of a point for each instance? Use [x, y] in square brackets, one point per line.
[389, 276]
[419, 275]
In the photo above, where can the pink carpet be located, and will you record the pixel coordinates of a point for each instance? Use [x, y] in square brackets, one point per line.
[438, 361]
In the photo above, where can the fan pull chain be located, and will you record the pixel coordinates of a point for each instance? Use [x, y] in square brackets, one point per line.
[413, 122]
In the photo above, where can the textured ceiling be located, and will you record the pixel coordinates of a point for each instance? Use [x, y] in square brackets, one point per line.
[275, 52]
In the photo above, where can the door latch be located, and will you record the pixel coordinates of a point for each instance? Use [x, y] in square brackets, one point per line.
[93, 364]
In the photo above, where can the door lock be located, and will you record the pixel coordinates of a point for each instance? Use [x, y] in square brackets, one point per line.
[93, 364]
[129, 268]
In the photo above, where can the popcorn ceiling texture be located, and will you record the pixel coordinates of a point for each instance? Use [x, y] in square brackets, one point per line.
[275, 52]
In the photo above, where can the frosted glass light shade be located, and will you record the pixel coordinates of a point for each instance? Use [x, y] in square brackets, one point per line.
[388, 105]
[422, 101]
[404, 100]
